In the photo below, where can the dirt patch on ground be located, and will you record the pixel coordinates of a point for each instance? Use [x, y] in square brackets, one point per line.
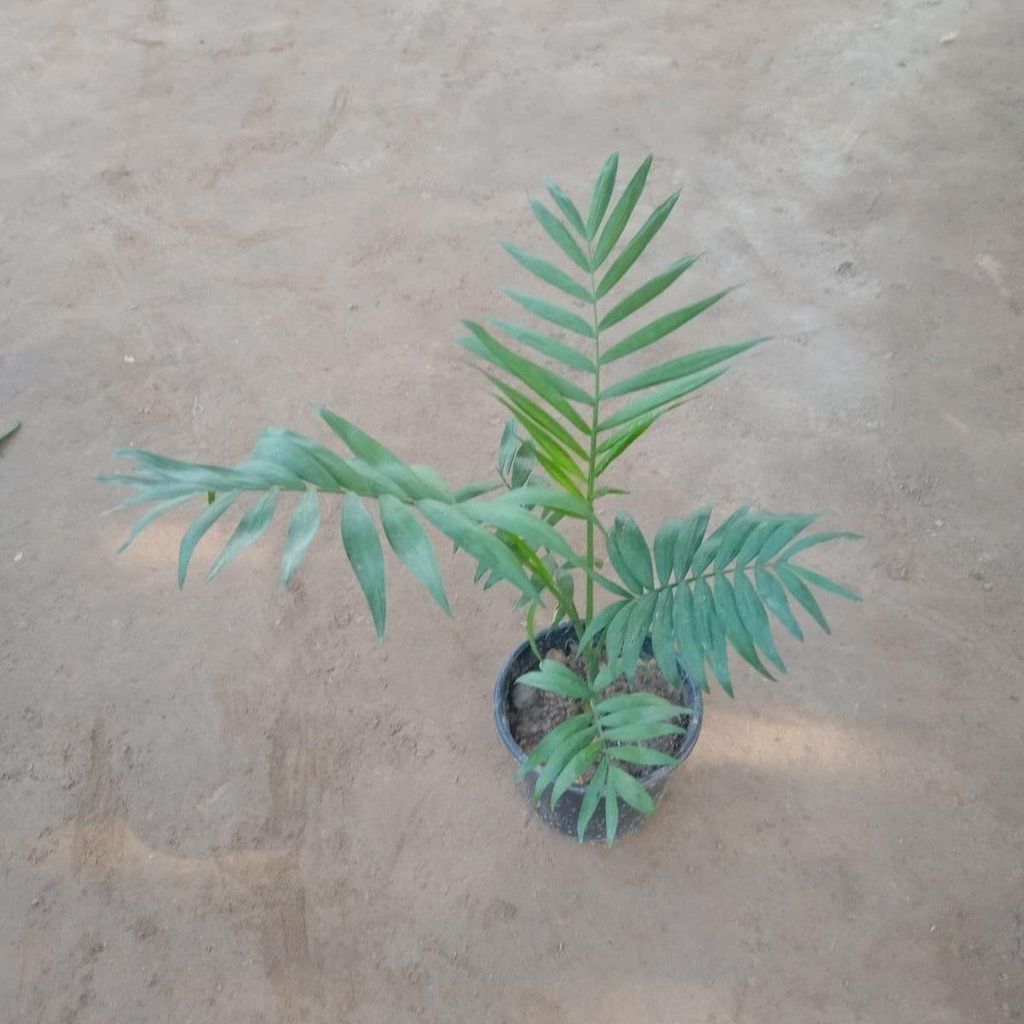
[232, 805]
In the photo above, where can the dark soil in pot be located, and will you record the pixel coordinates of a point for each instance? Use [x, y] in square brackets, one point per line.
[548, 712]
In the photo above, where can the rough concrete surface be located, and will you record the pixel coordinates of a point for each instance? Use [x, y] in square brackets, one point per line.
[231, 805]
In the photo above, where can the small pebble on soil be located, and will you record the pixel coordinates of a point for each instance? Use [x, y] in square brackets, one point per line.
[523, 696]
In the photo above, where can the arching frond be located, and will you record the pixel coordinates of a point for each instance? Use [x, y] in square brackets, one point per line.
[712, 591]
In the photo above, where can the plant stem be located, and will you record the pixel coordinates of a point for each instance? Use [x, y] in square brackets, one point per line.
[592, 653]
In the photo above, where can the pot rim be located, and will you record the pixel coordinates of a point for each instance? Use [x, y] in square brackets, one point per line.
[503, 688]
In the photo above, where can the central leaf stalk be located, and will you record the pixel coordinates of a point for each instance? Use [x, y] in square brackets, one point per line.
[592, 652]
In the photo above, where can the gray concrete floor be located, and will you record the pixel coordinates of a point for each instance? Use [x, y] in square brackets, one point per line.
[233, 806]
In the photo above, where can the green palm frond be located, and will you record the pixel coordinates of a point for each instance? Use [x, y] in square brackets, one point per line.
[570, 396]
[712, 591]
[407, 496]
[606, 734]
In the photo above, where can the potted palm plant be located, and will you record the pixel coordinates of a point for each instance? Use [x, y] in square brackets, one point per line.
[599, 707]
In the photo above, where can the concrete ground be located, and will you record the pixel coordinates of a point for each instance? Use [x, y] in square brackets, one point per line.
[233, 806]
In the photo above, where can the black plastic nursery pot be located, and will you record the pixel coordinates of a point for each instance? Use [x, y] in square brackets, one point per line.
[563, 818]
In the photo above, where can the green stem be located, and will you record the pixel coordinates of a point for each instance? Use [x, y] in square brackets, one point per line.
[689, 580]
[592, 653]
